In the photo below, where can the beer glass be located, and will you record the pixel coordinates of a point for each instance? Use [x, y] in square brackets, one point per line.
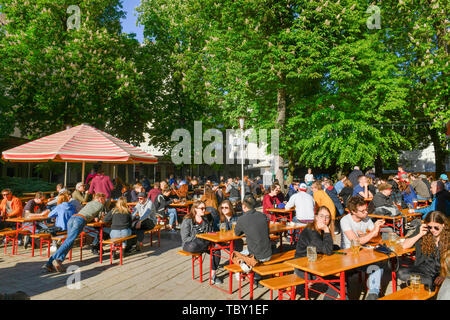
[414, 282]
[223, 228]
[355, 246]
[311, 253]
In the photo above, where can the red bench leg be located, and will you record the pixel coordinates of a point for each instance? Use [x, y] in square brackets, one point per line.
[121, 250]
[111, 253]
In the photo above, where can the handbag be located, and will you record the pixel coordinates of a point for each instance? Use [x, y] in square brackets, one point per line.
[382, 248]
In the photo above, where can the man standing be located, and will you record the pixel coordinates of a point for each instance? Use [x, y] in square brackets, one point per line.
[309, 177]
[353, 176]
[357, 226]
[322, 199]
[304, 205]
[75, 226]
[102, 184]
[401, 173]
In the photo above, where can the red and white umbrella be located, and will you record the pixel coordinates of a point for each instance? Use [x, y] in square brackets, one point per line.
[82, 143]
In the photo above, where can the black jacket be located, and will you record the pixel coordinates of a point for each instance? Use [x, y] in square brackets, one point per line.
[254, 225]
[119, 221]
[345, 194]
[353, 176]
[309, 237]
[431, 264]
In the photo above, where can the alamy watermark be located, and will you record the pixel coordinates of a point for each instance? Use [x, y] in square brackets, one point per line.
[374, 21]
[73, 282]
[73, 22]
[254, 144]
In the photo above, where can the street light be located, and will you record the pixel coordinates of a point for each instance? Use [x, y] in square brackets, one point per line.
[241, 126]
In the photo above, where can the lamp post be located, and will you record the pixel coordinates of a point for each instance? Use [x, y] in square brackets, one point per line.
[241, 126]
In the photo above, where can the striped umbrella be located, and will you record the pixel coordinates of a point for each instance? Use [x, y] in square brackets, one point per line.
[82, 143]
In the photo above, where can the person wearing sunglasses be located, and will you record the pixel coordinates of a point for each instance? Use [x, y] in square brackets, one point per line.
[431, 241]
[144, 218]
[197, 222]
[10, 207]
[228, 216]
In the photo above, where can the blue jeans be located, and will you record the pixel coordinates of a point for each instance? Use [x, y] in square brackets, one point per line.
[121, 234]
[172, 214]
[74, 227]
[375, 272]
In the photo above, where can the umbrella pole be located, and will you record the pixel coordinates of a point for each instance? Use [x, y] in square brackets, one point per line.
[83, 167]
[65, 175]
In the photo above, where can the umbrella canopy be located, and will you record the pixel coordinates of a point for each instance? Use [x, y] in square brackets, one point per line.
[82, 143]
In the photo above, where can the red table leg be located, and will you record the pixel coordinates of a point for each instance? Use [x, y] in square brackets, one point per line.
[342, 284]
[306, 285]
[32, 239]
[101, 243]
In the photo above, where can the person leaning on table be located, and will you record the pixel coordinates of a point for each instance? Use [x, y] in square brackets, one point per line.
[196, 222]
[441, 200]
[357, 226]
[431, 241]
[75, 226]
[318, 234]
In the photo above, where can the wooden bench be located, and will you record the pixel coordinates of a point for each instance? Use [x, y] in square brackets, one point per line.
[116, 245]
[276, 258]
[282, 283]
[408, 294]
[195, 257]
[10, 235]
[45, 238]
[157, 229]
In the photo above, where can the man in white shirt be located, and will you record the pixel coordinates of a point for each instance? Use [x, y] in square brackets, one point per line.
[358, 226]
[304, 205]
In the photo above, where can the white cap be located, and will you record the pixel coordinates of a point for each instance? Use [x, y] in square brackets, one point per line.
[303, 186]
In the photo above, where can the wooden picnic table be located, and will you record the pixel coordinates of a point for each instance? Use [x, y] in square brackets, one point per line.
[22, 220]
[396, 222]
[34, 193]
[282, 213]
[338, 264]
[99, 225]
[182, 206]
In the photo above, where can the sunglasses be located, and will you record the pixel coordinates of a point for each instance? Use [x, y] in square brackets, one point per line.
[433, 227]
[202, 208]
[225, 207]
[5, 194]
[141, 198]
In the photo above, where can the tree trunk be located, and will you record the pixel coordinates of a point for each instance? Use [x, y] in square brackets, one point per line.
[439, 152]
[378, 166]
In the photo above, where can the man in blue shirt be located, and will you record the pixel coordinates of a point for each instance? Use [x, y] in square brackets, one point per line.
[444, 180]
[340, 184]
[362, 188]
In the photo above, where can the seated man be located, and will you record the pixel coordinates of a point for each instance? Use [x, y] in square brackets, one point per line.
[10, 207]
[144, 218]
[421, 189]
[382, 202]
[80, 193]
[362, 188]
[304, 205]
[34, 207]
[52, 203]
[254, 225]
[441, 200]
[357, 226]
[232, 188]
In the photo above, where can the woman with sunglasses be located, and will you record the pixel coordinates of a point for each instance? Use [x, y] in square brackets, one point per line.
[196, 222]
[431, 242]
[228, 216]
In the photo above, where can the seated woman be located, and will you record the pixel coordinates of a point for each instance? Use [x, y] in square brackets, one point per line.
[62, 212]
[210, 200]
[318, 234]
[431, 243]
[270, 200]
[120, 219]
[228, 216]
[408, 193]
[346, 192]
[196, 222]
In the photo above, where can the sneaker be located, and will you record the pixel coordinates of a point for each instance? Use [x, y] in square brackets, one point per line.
[236, 276]
[172, 231]
[19, 242]
[48, 268]
[95, 251]
[245, 268]
[372, 296]
[53, 249]
[216, 280]
[58, 265]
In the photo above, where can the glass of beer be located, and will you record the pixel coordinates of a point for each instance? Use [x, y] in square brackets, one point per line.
[414, 282]
[223, 228]
[355, 245]
[415, 204]
[311, 253]
[233, 225]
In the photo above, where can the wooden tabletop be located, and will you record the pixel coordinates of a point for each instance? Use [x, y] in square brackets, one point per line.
[96, 224]
[329, 265]
[27, 219]
[408, 294]
[277, 210]
[181, 204]
[219, 236]
[405, 213]
[279, 227]
[368, 199]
